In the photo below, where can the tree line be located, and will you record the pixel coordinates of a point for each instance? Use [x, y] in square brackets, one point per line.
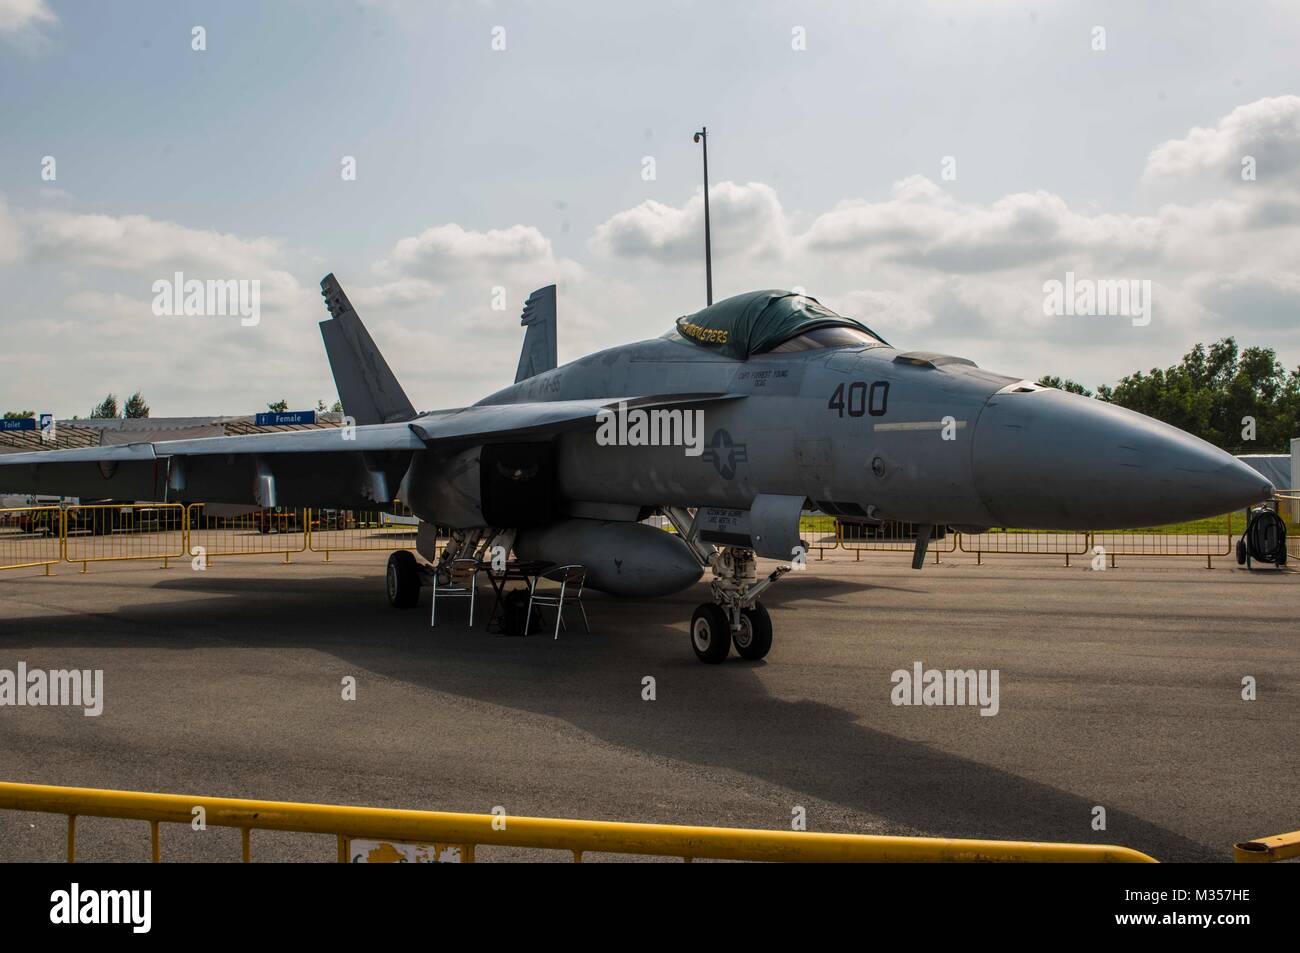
[135, 407]
[1243, 401]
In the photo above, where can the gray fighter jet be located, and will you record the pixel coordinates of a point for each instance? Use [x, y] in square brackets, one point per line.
[739, 419]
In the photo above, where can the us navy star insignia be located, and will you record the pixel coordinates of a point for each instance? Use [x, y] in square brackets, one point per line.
[724, 453]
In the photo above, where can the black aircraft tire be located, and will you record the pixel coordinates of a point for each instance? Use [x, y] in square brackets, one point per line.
[710, 633]
[403, 579]
[754, 639]
[1241, 552]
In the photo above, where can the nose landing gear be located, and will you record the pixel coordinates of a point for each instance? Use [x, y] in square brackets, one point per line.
[735, 617]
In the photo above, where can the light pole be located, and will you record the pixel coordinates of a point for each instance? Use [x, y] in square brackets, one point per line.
[703, 136]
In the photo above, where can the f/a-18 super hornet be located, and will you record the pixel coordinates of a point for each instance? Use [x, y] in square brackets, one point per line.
[740, 418]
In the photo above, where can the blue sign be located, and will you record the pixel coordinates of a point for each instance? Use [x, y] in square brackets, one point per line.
[22, 423]
[277, 418]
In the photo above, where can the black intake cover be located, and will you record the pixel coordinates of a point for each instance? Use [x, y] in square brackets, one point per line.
[517, 484]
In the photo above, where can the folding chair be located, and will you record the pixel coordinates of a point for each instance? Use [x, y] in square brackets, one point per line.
[571, 580]
[462, 584]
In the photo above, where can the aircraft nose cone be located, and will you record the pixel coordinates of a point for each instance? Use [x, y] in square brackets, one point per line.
[1053, 460]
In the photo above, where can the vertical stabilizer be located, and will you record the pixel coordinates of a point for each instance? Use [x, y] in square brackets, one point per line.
[539, 353]
[367, 388]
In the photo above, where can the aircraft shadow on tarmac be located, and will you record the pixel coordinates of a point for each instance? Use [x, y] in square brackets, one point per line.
[708, 716]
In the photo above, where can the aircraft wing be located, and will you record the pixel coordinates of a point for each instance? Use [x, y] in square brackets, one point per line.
[344, 467]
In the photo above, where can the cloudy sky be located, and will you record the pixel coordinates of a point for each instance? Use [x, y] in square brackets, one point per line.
[924, 166]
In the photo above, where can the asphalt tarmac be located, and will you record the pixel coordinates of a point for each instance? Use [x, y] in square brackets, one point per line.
[1119, 689]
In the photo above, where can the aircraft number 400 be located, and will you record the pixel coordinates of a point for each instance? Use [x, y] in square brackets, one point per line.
[860, 399]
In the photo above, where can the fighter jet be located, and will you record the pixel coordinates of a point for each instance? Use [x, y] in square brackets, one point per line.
[737, 420]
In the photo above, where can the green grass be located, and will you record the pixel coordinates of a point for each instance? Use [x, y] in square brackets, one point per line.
[1229, 524]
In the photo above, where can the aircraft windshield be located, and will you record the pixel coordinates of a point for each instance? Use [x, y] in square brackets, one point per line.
[835, 336]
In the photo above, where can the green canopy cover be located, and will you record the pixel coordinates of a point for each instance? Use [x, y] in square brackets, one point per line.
[757, 321]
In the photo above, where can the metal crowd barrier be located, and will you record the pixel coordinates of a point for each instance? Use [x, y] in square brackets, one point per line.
[1267, 850]
[41, 536]
[1202, 538]
[340, 531]
[820, 532]
[817, 530]
[890, 537]
[464, 834]
[281, 530]
[1013, 542]
[1288, 507]
[105, 532]
[30, 536]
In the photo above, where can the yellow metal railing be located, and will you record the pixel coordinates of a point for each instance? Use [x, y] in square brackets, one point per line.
[1012, 542]
[820, 532]
[105, 532]
[1288, 507]
[468, 832]
[889, 537]
[266, 532]
[1207, 538]
[42, 536]
[1265, 850]
[342, 531]
[30, 536]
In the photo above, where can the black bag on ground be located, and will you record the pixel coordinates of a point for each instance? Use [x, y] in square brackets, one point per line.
[514, 607]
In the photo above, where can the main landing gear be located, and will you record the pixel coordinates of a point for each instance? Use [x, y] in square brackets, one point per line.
[735, 616]
[403, 580]
[406, 575]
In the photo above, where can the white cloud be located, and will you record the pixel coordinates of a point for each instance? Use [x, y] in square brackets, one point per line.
[747, 221]
[107, 305]
[445, 250]
[402, 293]
[1267, 129]
[23, 21]
[148, 249]
[886, 312]
[11, 237]
[143, 244]
[923, 226]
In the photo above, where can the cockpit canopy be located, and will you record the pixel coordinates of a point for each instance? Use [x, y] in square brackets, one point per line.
[761, 321]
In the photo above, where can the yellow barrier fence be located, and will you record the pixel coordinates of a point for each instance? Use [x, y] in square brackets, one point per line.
[211, 532]
[339, 531]
[890, 536]
[1266, 850]
[464, 834]
[30, 536]
[1209, 538]
[1288, 507]
[109, 532]
[41, 536]
[1016, 542]
[820, 532]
